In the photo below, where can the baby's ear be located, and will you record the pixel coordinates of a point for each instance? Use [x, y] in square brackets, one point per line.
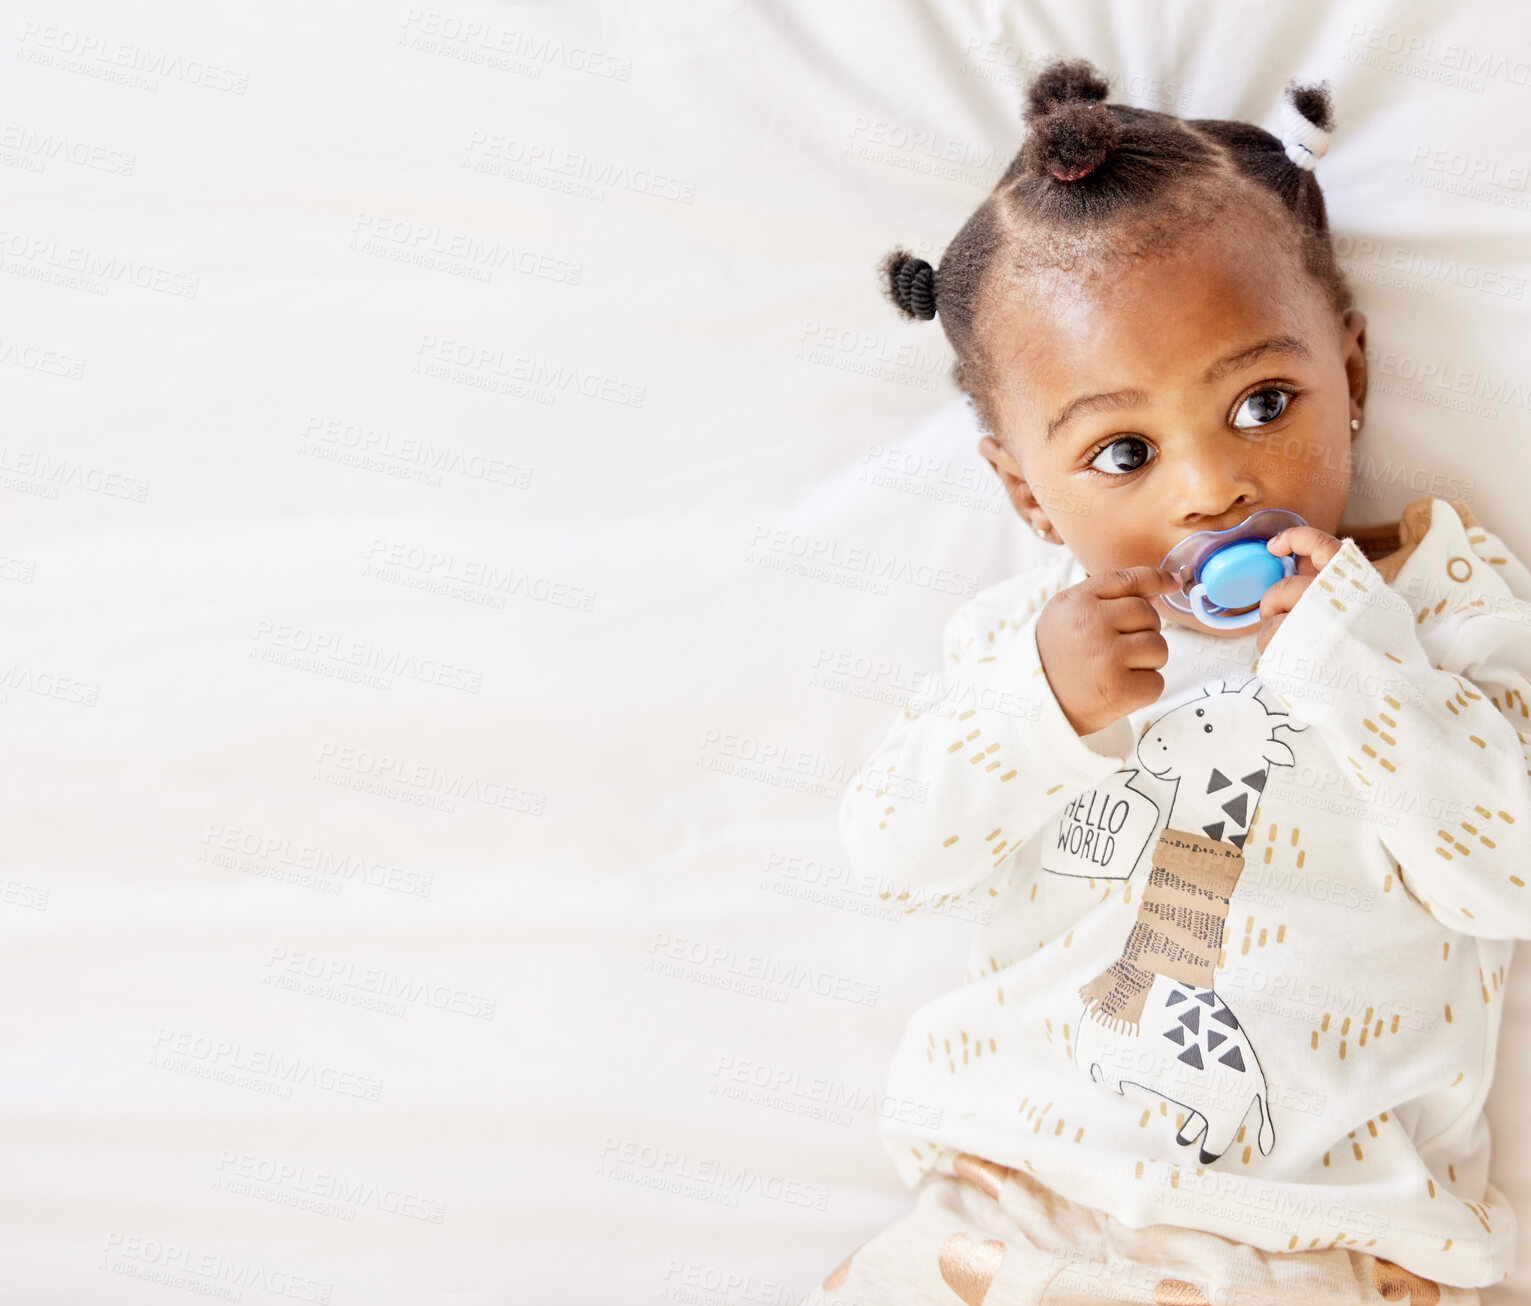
[1001, 460]
[994, 453]
[1353, 335]
[1010, 475]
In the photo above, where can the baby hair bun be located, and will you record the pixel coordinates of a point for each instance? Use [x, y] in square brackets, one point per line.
[1307, 118]
[910, 283]
[1062, 82]
[1072, 131]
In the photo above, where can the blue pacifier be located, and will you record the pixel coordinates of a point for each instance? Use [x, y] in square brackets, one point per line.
[1221, 572]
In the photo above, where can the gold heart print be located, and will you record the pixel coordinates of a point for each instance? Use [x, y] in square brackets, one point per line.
[969, 1268]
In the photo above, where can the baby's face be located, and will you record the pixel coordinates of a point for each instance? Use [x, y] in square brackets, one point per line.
[1244, 385]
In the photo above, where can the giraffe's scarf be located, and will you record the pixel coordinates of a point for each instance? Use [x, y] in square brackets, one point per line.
[1179, 930]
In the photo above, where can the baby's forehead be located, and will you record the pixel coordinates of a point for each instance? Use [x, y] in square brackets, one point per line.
[1170, 314]
[1107, 266]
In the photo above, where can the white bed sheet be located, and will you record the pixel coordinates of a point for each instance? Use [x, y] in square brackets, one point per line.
[616, 267]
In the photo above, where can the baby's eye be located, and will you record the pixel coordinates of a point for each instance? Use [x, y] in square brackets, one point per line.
[1119, 461]
[1268, 406]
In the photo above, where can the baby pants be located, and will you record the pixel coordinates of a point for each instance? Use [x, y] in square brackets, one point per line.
[985, 1235]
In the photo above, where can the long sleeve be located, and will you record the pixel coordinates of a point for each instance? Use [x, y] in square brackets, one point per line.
[1426, 703]
[974, 765]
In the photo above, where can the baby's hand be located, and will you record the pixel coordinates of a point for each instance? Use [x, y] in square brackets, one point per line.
[1313, 550]
[1100, 642]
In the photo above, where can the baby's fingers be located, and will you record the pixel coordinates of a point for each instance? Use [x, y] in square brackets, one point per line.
[1142, 649]
[1305, 542]
[1267, 631]
[1283, 595]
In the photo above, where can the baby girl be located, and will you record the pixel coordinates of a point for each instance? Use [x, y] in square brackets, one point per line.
[1250, 884]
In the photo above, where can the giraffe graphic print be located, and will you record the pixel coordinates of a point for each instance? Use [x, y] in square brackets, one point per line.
[1153, 1017]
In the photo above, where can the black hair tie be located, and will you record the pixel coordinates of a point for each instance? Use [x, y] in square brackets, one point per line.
[915, 282]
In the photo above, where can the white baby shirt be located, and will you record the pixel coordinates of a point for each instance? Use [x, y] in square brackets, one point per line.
[1241, 956]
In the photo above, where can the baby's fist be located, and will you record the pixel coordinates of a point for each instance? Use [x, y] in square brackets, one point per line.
[1313, 550]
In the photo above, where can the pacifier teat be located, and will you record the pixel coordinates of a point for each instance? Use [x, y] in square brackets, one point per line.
[1221, 572]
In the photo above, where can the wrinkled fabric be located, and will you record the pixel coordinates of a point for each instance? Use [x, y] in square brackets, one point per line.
[984, 1235]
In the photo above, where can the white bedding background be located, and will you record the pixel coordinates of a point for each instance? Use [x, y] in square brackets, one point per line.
[467, 511]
